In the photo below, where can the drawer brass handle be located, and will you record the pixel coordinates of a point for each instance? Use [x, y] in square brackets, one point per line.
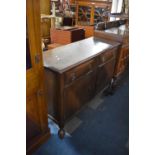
[73, 76]
[89, 72]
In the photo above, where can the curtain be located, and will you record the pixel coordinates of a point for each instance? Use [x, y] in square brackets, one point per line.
[116, 6]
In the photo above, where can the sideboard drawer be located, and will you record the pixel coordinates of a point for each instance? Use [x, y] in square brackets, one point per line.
[79, 71]
[106, 56]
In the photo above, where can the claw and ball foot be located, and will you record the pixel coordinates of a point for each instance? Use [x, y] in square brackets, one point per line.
[61, 133]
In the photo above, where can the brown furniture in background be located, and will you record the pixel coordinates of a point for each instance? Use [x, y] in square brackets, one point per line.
[75, 73]
[66, 35]
[72, 1]
[68, 21]
[121, 35]
[119, 17]
[37, 130]
[92, 4]
[88, 20]
[89, 30]
[45, 28]
[116, 23]
[45, 22]
[88, 25]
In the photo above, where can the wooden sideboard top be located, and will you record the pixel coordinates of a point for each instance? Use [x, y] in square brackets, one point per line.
[121, 30]
[68, 56]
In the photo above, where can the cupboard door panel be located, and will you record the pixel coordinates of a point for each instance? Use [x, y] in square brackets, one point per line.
[104, 75]
[79, 93]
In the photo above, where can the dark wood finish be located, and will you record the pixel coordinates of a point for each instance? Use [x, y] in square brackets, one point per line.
[37, 130]
[75, 73]
[79, 71]
[78, 93]
[96, 3]
[105, 69]
[111, 24]
[119, 16]
[119, 34]
[92, 4]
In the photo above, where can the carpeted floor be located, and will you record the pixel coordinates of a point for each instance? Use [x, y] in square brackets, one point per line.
[101, 128]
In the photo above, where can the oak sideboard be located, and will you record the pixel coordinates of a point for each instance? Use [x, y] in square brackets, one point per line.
[75, 73]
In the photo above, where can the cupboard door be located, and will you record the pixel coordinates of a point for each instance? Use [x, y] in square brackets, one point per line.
[79, 93]
[104, 75]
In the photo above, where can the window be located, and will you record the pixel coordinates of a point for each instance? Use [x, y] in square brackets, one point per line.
[116, 6]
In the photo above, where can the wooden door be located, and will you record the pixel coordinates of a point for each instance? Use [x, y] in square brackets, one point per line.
[105, 74]
[36, 109]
